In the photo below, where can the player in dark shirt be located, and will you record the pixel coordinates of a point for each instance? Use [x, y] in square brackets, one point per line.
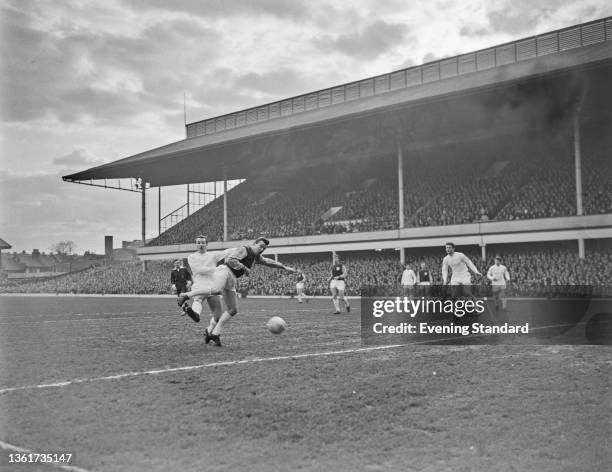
[424, 280]
[337, 285]
[237, 263]
[180, 278]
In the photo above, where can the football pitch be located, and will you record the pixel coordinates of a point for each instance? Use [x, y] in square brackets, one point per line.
[127, 384]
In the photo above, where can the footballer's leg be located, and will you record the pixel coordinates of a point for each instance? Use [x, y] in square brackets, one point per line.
[456, 293]
[344, 299]
[197, 304]
[334, 293]
[504, 300]
[207, 290]
[216, 310]
[231, 301]
[195, 310]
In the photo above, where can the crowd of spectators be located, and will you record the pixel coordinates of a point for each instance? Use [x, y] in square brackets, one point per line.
[475, 188]
[126, 278]
[529, 265]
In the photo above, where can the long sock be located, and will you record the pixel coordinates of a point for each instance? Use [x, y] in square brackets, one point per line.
[336, 304]
[211, 324]
[346, 301]
[225, 317]
[197, 307]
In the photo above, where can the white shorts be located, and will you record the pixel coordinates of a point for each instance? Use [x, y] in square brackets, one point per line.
[203, 282]
[461, 280]
[224, 279]
[299, 286]
[337, 284]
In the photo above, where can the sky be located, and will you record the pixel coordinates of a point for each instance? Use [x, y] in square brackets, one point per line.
[87, 82]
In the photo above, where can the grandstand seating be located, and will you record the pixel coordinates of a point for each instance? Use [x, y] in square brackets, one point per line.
[478, 188]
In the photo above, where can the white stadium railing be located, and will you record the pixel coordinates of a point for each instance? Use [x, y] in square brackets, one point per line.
[549, 43]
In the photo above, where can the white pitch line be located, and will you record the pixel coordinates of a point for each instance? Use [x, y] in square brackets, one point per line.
[199, 366]
[253, 360]
[22, 450]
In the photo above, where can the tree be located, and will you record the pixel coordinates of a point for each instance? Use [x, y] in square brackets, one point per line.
[64, 247]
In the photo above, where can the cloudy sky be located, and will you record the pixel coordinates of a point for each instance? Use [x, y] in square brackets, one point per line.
[88, 82]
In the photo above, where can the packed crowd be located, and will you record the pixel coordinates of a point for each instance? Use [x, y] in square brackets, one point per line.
[529, 266]
[435, 193]
[126, 278]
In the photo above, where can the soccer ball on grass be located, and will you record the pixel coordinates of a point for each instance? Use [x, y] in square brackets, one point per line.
[276, 325]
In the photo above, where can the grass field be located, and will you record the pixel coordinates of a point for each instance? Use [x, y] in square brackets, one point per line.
[126, 384]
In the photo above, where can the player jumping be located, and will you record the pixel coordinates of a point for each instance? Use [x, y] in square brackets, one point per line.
[237, 262]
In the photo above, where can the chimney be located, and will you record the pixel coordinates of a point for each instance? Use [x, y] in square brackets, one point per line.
[108, 247]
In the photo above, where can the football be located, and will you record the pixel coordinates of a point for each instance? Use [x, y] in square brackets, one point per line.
[276, 325]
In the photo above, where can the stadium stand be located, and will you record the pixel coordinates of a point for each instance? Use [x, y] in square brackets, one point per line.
[530, 265]
[532, 181]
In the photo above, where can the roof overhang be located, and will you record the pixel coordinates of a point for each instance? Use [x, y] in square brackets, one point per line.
[528, 96]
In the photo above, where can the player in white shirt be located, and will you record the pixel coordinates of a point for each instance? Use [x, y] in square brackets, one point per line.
[232, 264]
[203, 265]
[461, 278]
[299, 287]
[408, 282]
[499, 276]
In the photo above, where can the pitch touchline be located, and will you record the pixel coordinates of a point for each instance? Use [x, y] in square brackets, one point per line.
[196, 367]
[22, 450]
[249, 361]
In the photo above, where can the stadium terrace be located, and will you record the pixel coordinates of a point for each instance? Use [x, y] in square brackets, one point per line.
[504, 145]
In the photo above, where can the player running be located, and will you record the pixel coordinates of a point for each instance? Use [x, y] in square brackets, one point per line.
[337, 285]
[498, 275]
[237, 262]
[461, 279]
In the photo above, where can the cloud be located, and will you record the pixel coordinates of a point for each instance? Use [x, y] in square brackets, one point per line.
[77, 158]
[372, 41]
[80, 76]
[520, 17]
[63, 211]
[282, 81]
[293, 10]
[474, 30]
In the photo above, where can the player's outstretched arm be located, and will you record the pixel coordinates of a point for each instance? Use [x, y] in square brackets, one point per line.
[272, 263]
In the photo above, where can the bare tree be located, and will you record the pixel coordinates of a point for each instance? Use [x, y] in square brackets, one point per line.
[64, 248]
